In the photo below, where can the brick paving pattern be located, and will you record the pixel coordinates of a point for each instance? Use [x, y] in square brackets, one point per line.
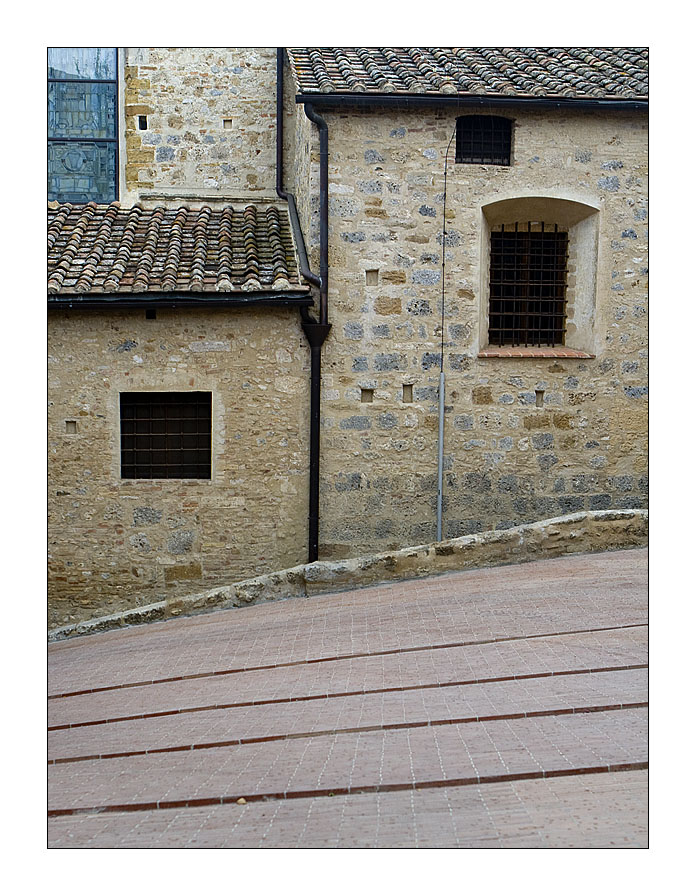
[490, 708]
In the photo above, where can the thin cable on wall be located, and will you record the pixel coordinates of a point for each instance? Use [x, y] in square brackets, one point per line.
[444, 234]
[441, 387]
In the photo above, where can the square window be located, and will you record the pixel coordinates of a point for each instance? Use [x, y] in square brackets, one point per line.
[166, 435]
[484, 140]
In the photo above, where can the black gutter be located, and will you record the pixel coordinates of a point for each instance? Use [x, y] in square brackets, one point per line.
[180, 300]
[315, 331]
[462, 102]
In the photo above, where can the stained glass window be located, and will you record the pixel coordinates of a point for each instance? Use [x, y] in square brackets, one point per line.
[82, 124]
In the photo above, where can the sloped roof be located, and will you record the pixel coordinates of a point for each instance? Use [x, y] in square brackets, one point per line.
[619, 73]
[112, 250]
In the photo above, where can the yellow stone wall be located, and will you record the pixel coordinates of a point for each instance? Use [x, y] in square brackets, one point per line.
[188, 95]
[511, 455]
[117, 543]
[507, 460]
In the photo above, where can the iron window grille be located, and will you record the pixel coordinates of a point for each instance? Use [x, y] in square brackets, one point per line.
[528, 276]
[484, 140]
[166, 435]
[83, 124]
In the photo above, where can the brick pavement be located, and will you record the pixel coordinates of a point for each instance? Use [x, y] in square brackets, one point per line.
[496, 708]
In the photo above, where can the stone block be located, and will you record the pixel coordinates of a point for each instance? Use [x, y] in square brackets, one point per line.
[183, 572]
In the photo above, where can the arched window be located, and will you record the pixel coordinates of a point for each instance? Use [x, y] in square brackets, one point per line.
[484, 140]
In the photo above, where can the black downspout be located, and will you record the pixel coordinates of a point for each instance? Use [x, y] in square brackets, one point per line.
[323, 211]
[315, 331]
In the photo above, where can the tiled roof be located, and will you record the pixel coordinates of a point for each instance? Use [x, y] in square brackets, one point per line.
[108, 249]
[619, 73]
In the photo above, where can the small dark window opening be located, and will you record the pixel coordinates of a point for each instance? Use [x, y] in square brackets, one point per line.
[166, 435]
[528, 286]
[142, 122]
[484, 140]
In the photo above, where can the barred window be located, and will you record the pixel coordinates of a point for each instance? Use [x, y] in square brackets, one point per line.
[166, 435]
[484, 140]
[528, 285]
[82, 124]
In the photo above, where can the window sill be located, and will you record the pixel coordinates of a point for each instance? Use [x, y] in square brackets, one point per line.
[532, 351]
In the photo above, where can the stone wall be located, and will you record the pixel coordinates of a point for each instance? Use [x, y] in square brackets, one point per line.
[525, 439]
[114, 543]
[301, 167]
[210, 121]
[603, 530]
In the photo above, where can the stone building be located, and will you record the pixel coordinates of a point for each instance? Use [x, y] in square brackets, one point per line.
[266, 268]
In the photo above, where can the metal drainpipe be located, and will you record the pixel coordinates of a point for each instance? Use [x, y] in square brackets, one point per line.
[315, 331]
[440, 451]
[323, 211]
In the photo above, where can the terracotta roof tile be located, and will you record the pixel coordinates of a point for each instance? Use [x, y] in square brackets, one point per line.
[107, 249]
[619, 73]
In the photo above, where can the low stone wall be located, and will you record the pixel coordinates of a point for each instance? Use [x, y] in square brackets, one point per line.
[576, 533]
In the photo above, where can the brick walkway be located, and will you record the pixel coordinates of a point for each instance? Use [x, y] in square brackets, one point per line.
[490, 708]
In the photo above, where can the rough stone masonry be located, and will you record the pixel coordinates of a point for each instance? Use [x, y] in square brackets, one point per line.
[526, 438]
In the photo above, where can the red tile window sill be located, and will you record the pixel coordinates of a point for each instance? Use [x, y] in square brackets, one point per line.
[531, 351]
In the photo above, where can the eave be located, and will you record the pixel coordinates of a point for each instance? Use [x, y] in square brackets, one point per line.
[288, 298]
[402, 100]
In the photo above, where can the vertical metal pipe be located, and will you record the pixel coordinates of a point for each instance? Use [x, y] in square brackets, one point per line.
[323, 211]
[315, 422]
[279, 123]
[440, 454]
[316, 332]
[441, 419]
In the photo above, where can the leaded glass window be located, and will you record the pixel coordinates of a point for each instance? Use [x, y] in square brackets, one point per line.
[82, 124]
